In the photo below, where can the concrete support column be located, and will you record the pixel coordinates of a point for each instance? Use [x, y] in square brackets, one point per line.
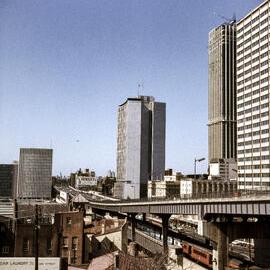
[133, 225]
[144, 216]
[222, 246]
[165, 223]
[218, 188]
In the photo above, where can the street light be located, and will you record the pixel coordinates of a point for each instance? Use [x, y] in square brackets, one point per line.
[195, 164]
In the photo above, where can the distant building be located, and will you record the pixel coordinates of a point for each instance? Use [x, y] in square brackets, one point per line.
[83, 179]
[140, 145]
[110, 174]
[35, 173]
[205, 188]
[223, 169]
[222, 92]
[8, 175]
[170, 175]
[164, 189]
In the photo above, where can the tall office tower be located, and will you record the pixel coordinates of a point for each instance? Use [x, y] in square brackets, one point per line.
[222, 92]
[35, 173]
[140, 145]
[253, 99]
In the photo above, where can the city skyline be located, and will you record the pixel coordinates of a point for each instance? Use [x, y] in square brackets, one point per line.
[62, 75]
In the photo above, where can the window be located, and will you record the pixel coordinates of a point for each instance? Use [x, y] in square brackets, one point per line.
[65, 242]
[74, 243]
[5, 249]
[74, 257]
[49, 246]
[68, 221]
[25, 246]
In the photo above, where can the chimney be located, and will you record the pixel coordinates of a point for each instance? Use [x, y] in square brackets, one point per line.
[116, 222]
[103, 228]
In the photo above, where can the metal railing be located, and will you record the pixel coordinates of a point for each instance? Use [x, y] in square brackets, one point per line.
[199, 196]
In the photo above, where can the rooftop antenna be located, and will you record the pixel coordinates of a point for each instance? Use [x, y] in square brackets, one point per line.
[140, 86]
[227, 20]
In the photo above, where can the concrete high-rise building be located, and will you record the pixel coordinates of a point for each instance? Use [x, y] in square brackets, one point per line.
[35, 173]
[140, 145]
[222, 92]
[253, 99]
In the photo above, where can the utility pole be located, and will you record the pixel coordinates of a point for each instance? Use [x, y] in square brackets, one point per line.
[36, 235]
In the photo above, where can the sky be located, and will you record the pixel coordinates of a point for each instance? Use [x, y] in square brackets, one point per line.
[66, 65]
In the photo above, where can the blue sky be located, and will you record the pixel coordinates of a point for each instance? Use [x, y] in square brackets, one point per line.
[66, 65]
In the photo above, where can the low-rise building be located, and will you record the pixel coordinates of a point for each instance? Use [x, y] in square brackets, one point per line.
[157, 189]
[68, 235]
[84, 180]
[201, 187]
[223, 169]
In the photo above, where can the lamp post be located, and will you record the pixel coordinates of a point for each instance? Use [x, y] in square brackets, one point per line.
[195, 165]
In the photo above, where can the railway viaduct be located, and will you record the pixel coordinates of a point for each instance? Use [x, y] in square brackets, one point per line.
[225, 219]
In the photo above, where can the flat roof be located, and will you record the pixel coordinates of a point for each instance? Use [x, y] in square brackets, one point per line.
[252, 11]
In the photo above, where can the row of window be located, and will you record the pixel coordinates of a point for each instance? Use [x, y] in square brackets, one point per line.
[250, 167]
[257, 58]
[254, 133]
[74, 242]
[253, 30]
[243, 183]
[262, 123]
[253, 85]
[254, 158]
[254, 175]
[249, 47]
[253, 142]
[26, 246]
[253, 150]
[253, 117]
[256, 108]
[254, 76]
[249, 102]
[253, 93]
[253, 68]
[253, 44]
[253, 21]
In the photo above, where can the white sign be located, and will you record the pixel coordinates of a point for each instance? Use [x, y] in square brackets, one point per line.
[23, 263]
[63, 195]
[214, 169]
[85, 181]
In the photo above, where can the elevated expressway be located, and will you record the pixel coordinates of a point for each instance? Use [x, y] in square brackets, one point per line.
[226, 219]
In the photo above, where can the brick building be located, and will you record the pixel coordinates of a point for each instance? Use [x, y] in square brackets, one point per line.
[68, 236]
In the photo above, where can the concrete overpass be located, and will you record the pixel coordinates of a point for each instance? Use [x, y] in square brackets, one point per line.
[226, 218]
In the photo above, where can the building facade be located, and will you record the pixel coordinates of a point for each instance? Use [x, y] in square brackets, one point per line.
[206, 188]
[35, 173]
[140, 145]
[163, 189]
[222, 92]
[8, 174]
[223, 169]
[253, 99]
